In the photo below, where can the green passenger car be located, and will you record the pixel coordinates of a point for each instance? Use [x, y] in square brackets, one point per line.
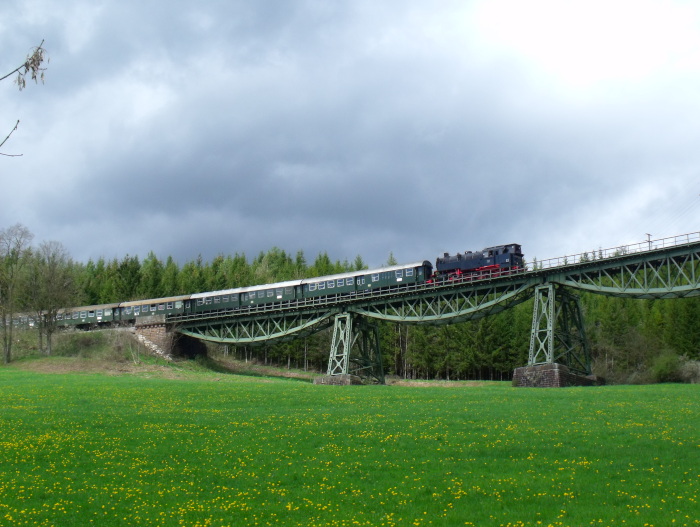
[175, 305]
[267, 293]
[366, 281]
[395, 275]
[215, 301]
[340, 284]
[86, 316]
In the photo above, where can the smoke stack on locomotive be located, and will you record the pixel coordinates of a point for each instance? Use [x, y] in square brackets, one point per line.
[493, 261]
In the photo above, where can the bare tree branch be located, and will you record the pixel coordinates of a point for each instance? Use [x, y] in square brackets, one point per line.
[5, 140]
[33, 66]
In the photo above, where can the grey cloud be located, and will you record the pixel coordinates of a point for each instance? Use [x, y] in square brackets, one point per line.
[353, 128]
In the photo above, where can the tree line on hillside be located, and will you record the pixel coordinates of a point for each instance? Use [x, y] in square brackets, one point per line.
[631, 340]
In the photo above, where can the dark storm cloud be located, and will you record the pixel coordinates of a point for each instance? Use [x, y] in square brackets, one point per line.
[353, 128]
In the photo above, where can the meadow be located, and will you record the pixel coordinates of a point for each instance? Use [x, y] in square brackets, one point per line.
[81, 449]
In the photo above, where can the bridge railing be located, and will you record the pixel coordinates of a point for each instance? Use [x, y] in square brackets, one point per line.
[613, 252]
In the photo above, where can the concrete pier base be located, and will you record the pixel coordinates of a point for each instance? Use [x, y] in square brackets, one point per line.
[551, 376]
[338, 380]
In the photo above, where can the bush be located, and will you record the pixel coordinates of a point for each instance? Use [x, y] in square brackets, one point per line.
[79, 343]
[690, 371]
[667, 367]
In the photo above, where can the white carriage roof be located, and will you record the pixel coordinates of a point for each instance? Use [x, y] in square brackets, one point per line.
[154, 300]
[290, 283]
[88, 308]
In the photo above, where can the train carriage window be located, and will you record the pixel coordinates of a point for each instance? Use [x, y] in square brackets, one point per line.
[137, 310]
[261, 294]
[99, 312]
[341, 282]
[83, 314]
[169, 305]
[312, 287]
[108, 312]
[91, 314]
[217, 299]
[399, 273]
[278, 292]
[375, 277]
[76, 315]
[127, 310]
[178, 304]
[207, 300]
[224, 299]
[331, 284]
[187, 305]
[153, 307]
[321, 285]
[59, 316]
[349, 281]
[200, 301]
[161, 307]
[409, 272]
[288, 291]
[270, 293]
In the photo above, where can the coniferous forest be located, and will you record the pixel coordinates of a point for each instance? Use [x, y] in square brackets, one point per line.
[632, 341]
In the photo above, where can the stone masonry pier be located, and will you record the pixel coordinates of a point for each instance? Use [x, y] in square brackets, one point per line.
[551, 376]
[161, 339]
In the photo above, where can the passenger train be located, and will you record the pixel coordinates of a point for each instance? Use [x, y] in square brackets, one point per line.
[488, 263]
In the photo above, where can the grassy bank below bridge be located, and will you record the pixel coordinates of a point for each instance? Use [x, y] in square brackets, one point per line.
[80, 449]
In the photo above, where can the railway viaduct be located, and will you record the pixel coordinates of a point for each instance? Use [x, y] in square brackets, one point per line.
[558, 353]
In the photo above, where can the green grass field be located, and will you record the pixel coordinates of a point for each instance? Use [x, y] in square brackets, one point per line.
[78, 449]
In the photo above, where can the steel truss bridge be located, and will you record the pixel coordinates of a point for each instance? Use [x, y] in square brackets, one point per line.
[664, 268]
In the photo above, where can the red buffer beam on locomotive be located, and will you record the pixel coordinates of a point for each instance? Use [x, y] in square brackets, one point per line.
[491, 261]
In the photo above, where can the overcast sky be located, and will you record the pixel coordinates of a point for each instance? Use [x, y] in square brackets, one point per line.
[352, 127]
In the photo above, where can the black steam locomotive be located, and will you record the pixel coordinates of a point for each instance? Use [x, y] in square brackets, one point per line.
[492, 261]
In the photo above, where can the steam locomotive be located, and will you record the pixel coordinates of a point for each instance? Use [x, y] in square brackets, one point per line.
[492, 261]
